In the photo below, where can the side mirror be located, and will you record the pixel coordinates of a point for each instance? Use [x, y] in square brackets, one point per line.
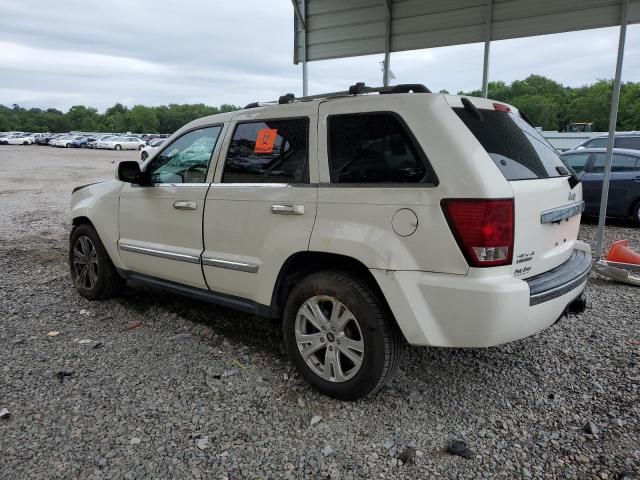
[130, 172]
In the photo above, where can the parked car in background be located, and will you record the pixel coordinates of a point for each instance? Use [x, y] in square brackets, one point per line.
[93, 143]
[81, 142]
[152, 146]
[66, 141]
[122, 143]
[629, 140]
[16, 139]
[44, 139]
[624, 186]
[37, 136]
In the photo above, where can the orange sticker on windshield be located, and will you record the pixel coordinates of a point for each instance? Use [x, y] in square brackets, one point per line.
[265, 140]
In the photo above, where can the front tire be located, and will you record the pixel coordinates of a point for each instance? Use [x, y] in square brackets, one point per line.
[140, 147]
[144, 156]
[117, 147]
[92, 271]
[340, 336]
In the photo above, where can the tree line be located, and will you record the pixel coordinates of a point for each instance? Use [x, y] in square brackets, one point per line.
[552, 106]
[547, 103]
[119, 118]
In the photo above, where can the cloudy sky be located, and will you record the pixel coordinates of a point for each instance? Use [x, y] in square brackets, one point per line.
[59, 54]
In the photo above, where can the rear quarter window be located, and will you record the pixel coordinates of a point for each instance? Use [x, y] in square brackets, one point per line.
[518, 149]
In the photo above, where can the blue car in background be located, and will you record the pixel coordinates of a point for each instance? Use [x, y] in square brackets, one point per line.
[624, 186]
[82, 142]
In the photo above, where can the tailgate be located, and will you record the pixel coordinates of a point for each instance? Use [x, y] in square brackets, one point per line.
[547, 197]
[547, 220]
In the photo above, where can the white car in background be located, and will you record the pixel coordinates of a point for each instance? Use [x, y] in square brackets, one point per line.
[122, 143]
[16, 139]
[153, 145]
[65, 142]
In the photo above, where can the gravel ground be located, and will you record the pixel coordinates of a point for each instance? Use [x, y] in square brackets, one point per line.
[204, 392]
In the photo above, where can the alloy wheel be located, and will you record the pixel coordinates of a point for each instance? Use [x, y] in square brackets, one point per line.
[329, 338]
[85, 262]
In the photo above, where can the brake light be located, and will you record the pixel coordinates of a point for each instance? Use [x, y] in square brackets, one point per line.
[499, 107]
[483, 229]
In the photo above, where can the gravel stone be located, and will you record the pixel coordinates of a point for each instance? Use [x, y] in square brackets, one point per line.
[520, 406]
[316, 419]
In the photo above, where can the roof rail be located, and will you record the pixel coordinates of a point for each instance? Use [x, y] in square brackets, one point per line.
[356, 89]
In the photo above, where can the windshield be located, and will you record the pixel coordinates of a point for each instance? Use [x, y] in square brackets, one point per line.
[518, 149]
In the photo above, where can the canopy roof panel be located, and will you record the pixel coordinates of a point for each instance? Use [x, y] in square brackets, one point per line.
[345, 28]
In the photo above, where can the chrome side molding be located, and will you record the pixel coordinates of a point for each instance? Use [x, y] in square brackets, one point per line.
[181, 257]
[556, 215]
[240, 266]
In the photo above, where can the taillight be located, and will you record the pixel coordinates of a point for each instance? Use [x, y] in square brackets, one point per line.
[500, 107]
[483, 229]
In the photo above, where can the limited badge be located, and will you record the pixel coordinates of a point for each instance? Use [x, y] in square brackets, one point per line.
[265, 140]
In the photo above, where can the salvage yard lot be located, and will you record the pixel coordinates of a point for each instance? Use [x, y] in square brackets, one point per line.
[202, 391]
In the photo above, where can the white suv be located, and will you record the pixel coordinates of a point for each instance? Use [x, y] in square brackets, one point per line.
[358, 218]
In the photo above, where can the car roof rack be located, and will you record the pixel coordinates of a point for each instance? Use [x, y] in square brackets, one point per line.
[357, 89]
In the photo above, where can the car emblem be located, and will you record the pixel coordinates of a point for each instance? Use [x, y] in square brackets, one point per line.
[572, 195]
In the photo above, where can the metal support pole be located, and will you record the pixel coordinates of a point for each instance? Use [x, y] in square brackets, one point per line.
[305, 75]
[387, 44]
[487, 45]
[301, 16]
[613, 118]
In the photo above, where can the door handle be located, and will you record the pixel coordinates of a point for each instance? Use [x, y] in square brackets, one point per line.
[287, 209]
[184, 205]
[636, 179]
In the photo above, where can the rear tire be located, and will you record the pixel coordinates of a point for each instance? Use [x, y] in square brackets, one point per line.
[117, 147]
[144, 156]
[92, 271]
[140, 147]
[351, 342]
[636, 213]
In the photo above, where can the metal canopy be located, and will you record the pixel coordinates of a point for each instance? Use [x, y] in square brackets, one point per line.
[326, 29]
[344, 28]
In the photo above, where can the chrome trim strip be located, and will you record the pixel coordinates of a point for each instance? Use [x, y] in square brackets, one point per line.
[239, 266]
[556, 215]
[181, 257]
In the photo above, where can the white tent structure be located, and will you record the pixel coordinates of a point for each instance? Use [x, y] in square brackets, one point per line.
[326, 29]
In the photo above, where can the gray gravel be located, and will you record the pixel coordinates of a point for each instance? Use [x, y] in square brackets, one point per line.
[199, 391]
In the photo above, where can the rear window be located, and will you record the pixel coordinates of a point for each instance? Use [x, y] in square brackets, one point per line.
[619, 163]
[518, 149]
[375, 147]
[632, 143]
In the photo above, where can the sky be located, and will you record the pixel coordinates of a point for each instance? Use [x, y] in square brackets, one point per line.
[97, 53]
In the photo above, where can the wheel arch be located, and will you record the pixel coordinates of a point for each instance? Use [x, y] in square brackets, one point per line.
[305, 263]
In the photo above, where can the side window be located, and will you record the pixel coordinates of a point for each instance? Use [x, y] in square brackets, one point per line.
[576, 161]
[632, 143]
[620, 163]
[596, 143]
[270, 151]
[374, 148]
[186, 159]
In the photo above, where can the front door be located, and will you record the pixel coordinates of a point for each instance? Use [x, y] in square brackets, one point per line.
[261, 207]
[161, 224]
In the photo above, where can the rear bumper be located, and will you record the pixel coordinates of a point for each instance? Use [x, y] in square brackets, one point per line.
[560, 280]
[478, 310]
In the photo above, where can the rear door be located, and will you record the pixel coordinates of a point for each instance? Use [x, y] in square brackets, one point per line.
[548, 199]
[624, 184]
[261, 207]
